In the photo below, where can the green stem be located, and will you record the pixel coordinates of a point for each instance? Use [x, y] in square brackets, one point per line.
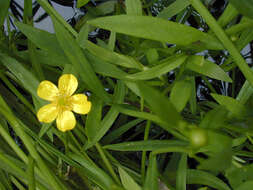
[35, 63]
[210, 86]
[66, 142]
[233, 83]
[28, 19]
[219, 32]
[107, 163]
[143, 158]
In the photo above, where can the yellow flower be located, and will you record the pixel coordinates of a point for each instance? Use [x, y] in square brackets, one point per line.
[63, 102]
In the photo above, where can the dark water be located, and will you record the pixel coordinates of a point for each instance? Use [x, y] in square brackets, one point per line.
[67, 11]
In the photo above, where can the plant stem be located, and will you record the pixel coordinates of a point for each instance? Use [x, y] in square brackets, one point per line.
[209, 85]
[107, 163]
[221, 35]
[143, 158]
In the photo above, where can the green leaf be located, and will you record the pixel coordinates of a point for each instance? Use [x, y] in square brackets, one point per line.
[219, 151]
[156, 71]
[160, 104]
[245, 93]
[79, 61]
[147, 145]
[173, 9]
[152, 55]
[109, 118]
[214, 119]
[4, 10]
[245, 186]
[237, 176]
[113, 135]
[198, 64]
[104, 68]
[51, 58]
[45, 129]
[133, 7]
[181, 173]
[41, 38]
[180, 94]
[111, 57]
[205, 178]
[228, 15]
[27, 79]
[93, 120]
[156, 29]
[245, 7]
[5, 181]
[151, 180]
[94, 173]
[112, 41]
[81, 3]
[30, 173]
[83, 35]
[127, 181]
[151, 117]
[232, 105]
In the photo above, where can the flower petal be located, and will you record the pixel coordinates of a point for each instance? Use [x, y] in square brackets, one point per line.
[66, 121]
[47, 113]
[80, 104]
[67, 84]
[47, 90]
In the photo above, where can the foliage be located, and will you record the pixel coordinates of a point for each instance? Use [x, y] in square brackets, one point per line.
[171, 95]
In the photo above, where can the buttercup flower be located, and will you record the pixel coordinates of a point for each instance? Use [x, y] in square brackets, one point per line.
[63, 102]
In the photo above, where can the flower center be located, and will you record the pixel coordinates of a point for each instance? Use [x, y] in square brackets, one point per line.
[64, 102]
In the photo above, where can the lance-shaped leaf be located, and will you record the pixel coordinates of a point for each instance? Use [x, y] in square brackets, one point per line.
[180, 94]
[205, 178]
[243, 6]
[156, 29]
[232, 105]
[133, 7]
[127, 181]
[160, 69]
[160, 104]
[151, 180]
[200, 65]
[147, 145]
[111, 57]
[173, 9]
